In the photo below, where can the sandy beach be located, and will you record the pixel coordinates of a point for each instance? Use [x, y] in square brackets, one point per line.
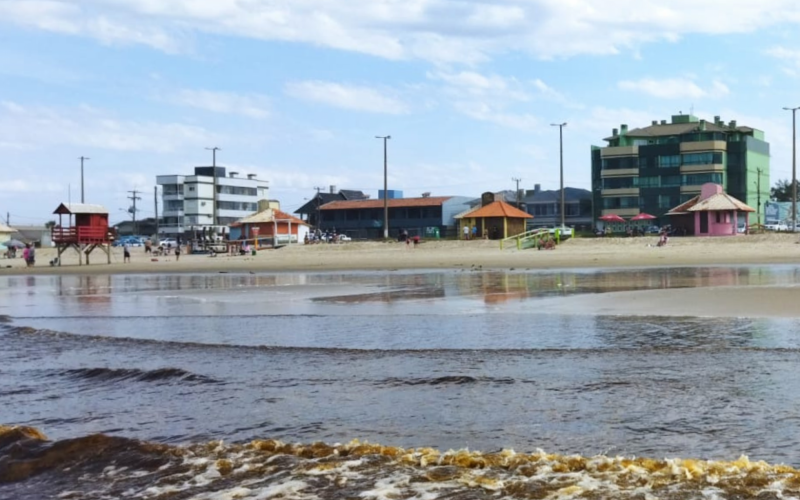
[576, 253]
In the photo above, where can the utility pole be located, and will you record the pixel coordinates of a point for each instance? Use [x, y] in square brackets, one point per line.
[794, 166]
[385, 187]
[517, 180]
[83, 158]
[8, 219]
[758, 196]
[214, 168]
[133, 197]
[319, 202]
[155, 201]
[561, 163]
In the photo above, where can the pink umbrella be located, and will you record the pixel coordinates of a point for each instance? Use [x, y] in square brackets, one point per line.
[611, 218]
[643, 216]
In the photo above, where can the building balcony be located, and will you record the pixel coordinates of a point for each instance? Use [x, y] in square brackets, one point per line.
[700, 146]
[619, 151]
[705, 168]
[172, 197]
[620, 192]
[173, 213]
[691, 189]
[620, 172]
[622, 212]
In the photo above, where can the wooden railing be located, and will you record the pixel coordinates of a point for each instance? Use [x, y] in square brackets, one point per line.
[83, 234]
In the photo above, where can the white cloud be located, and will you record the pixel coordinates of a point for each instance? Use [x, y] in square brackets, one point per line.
[32, 186]
[436, 30]
[790, 57]
[36, 127]
[252, 105]
[674, 88]
[475, 84]
[484, 112]
[352, 97]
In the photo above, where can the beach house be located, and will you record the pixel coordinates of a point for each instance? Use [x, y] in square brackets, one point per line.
[711, 213]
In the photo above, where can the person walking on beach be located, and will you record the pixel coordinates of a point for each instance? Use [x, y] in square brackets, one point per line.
[25, 252]
[475, 232]
[32, 256]
[148, 246]
[177, 253]
[126, 252]
[466, 232]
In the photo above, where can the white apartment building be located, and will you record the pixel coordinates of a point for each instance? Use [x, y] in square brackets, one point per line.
[188, 201]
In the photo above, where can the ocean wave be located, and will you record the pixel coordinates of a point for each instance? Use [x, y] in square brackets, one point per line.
[100, 466]
[126, 374]
[446, 380]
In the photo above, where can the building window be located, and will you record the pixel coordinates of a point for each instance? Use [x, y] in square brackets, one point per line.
[702, 158]
[670, 181]
[620, 182]
[668, 201]
[699, 179]
[670, 161]
[649, 182]
[237, 190]
[172, 189]
[236, 205]
[620, 163]
[621, 202]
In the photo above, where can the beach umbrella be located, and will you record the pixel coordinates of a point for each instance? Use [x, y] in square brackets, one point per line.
[643, 216]
[14, 243]
[611, 218]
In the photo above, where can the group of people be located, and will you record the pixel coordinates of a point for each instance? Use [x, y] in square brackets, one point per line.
[471, 233]
[28, 254]
[162, 249]
[319, 236]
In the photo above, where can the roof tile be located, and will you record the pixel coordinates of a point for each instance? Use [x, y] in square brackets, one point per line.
[431, 201]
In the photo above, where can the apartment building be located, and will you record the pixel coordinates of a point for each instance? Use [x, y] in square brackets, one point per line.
[655, 168]
[212, 198]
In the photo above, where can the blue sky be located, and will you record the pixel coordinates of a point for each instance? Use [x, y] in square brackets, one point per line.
[296, 91]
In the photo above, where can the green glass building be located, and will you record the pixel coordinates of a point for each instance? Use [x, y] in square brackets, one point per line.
[655, 168]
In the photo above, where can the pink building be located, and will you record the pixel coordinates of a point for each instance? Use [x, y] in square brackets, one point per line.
[711, 213]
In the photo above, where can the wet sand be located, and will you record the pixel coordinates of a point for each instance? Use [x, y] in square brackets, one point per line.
[577, 253]
[726, 302]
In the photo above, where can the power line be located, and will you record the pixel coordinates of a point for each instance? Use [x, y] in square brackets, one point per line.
[134, 197]
[517, 180]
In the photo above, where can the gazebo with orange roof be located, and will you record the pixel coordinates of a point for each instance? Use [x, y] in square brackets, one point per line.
[494, 219]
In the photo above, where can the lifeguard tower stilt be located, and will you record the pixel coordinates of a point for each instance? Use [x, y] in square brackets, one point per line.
[86, 230]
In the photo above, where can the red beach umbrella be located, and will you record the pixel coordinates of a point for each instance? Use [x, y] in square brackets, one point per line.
[643, 216]
[611, 218]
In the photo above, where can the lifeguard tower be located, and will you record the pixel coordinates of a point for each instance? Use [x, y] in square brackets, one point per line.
[86, 229]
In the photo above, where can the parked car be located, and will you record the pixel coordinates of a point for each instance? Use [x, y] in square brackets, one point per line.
[565, 231]
[344, 237]
[776, 227]
[168, 243]
[133, 241]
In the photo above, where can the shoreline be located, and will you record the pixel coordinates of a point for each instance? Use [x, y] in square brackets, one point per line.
[583, 253]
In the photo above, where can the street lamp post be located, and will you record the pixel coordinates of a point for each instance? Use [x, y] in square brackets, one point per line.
[561, 165]
[385, 187]
[794, 166]
[82, 160]
[214, 173]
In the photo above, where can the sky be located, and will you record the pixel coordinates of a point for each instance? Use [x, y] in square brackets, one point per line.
[295, 91]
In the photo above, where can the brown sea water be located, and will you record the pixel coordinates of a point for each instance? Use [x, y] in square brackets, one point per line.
[196, 386]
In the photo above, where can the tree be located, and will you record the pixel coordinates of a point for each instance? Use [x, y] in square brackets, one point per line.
[50, 224]
[782, 191]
